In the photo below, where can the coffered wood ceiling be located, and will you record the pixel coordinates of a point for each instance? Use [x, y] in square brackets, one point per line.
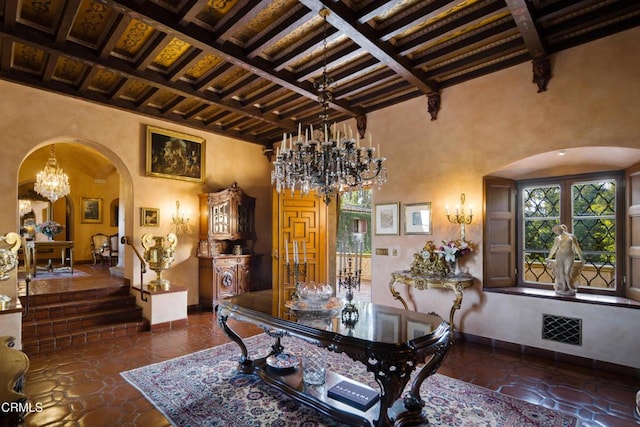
[246, 69]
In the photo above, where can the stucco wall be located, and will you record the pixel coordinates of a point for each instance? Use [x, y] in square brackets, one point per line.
[484, 125]
[31, 118]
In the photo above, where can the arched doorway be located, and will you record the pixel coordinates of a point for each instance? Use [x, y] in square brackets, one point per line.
[96, 175]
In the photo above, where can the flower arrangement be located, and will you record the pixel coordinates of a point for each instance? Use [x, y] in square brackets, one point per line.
[49, 228]
[451, 250]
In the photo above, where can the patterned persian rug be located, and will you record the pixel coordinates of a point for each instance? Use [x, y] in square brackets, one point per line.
[205, 389]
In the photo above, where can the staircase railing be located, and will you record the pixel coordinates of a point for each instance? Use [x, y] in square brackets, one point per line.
[125, 240]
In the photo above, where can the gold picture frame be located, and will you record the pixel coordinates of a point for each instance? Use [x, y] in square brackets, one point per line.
[417, 218]
[175, 155]
[91, 210]
[149, 217]
[386, 217]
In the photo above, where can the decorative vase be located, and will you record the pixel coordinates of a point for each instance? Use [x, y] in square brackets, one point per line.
[159, 253]
[454, 268]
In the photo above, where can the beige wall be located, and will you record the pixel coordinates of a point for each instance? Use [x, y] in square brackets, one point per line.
[30, 119]
[484, 125]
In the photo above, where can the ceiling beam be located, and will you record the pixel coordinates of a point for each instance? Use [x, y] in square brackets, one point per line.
[342, 18]
[527, 27]
[202, 39]
[87, 56]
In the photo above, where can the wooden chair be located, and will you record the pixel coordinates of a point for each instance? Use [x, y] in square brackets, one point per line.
[100, 247]
[113, 249]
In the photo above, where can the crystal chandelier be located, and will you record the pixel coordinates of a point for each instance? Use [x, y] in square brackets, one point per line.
[24, 207]
[326, 161]
[52, 182]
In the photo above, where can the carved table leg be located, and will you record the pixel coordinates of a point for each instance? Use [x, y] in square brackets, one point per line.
[396, 294]
[245, 364]
[412, 400]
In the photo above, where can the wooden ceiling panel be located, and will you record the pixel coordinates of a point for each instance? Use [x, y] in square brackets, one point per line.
[246, 68]
[91, 23]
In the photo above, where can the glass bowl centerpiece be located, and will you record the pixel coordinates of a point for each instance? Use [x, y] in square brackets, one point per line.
[315, 296]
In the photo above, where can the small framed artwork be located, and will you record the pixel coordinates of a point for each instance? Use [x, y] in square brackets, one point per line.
[175, 155]
[387, 218]
[417, 218]
[149, 217]
[91, 211]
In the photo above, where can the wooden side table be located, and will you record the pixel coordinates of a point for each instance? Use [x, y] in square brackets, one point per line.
[456, 284]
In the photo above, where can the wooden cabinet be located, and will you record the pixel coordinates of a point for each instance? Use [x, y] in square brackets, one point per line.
[227, 263]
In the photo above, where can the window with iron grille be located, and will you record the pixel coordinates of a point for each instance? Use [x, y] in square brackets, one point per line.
[588, 206]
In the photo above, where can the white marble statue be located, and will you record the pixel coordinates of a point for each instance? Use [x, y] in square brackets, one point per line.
[568, 261]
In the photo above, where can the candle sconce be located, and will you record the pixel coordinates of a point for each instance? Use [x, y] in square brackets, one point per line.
[460, 218]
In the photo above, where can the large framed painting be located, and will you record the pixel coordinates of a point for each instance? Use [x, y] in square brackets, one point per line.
[417, 218]
[91, 210]
[175, 155]
[387, 218]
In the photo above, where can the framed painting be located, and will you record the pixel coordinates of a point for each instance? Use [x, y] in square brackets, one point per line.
[175, 155]
[91, 211]
[417, 218]
[149, 217]
[387, 219]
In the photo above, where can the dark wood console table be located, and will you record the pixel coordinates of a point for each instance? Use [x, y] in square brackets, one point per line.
[390, 342]
[455, 284]
[44, 246]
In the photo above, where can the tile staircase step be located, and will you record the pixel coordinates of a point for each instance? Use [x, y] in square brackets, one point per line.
[77, 295]
[74, 317]
[70, 308]
[99, 333]
[69, 324]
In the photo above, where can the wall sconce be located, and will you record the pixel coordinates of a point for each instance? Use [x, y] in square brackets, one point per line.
[179, 217]
[460, 218]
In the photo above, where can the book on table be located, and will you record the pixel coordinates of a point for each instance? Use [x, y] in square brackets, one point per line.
[357, 395]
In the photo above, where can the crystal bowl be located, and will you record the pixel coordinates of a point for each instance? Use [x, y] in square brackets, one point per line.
[315, 296]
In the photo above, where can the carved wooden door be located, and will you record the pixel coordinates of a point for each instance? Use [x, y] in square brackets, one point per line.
[310, 224]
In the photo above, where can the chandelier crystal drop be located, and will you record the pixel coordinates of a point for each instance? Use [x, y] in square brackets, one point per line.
[324, 160]
[52, 182]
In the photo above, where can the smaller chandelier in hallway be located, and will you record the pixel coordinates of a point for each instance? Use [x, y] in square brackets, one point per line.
[52, 182]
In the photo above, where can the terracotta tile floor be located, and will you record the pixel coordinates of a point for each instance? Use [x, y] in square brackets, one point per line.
[81, 386]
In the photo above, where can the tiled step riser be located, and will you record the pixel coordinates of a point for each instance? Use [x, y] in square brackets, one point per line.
[57, 321]
[78, 307]
[93, 294]
[42, 328]
[64, 341]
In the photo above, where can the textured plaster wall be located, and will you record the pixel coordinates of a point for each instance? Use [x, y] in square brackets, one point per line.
[484, 125]
[30, 118]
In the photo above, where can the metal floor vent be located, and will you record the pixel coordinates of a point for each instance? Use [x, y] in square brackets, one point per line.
[562, 329]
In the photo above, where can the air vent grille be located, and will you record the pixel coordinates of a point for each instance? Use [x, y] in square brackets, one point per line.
[562, 329]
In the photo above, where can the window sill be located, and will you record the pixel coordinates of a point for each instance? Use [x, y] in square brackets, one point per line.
[579, 297]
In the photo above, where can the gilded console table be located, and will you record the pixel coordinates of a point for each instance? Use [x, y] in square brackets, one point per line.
[456, 284]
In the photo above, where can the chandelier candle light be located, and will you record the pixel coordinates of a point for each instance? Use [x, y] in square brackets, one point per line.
[52, 182]
[325, 160]
[460, 218]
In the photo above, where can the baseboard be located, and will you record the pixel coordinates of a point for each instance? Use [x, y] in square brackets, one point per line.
[173, 324]
[585, 362]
